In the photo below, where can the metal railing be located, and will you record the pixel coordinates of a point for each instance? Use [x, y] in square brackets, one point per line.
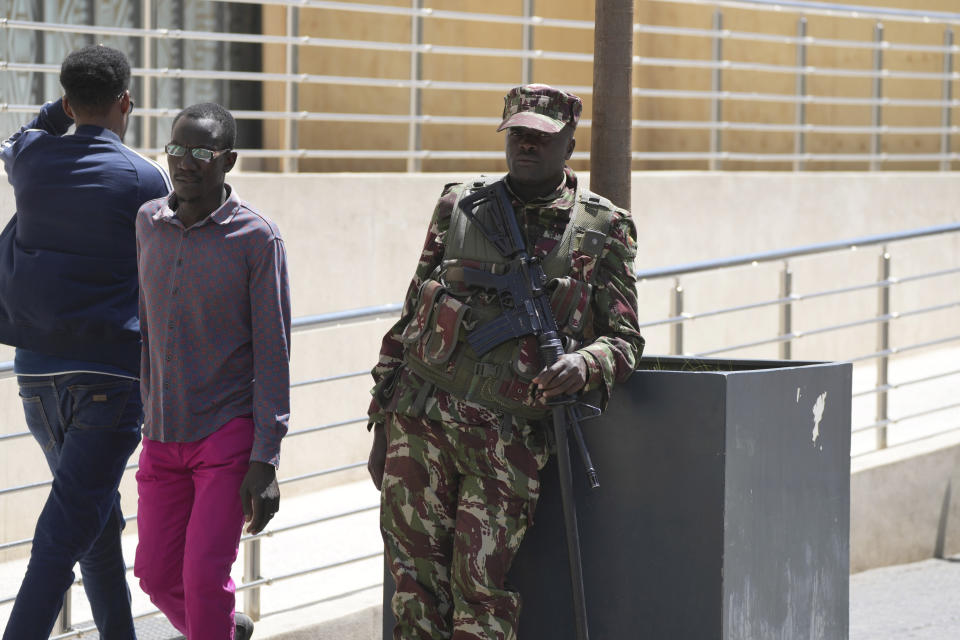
[722, 69]
[784, 336]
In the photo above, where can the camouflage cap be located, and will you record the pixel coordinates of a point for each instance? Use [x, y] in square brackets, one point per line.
[540, 107]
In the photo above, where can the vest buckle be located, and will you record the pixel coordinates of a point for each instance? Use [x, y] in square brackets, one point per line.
[486, 370]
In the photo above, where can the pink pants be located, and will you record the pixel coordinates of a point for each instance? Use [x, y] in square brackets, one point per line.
[190, 521]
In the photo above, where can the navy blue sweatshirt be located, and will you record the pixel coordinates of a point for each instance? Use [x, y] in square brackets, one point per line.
[68, 257]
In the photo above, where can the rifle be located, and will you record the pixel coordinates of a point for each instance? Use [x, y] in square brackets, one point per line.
[526, 311]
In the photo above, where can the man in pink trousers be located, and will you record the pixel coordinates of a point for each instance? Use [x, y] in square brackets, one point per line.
[215, 319]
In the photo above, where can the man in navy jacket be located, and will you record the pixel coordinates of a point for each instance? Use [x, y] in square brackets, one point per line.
[68, 302]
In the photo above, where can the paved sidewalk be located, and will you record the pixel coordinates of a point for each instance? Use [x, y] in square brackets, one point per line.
[918, 601]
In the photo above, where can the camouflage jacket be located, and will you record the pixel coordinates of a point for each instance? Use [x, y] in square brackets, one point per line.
[612, 343]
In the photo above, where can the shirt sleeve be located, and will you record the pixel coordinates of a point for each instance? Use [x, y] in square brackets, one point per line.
[270, 334]
[615, 344]
[391, 349]
[142, 311]
[52, 119]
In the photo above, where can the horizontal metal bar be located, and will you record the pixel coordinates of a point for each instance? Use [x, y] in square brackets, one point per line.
[896, 351]
[342, 594]
[790, 157]
[399, 83]
[424, 12]
[829, 9]
[344, 514]
[303, 78]
[809, 41]
[796, 6]
[323, 472]
[308, 41]
[296, 574]
[810, 70]
[342, 376]
[906, 383]
[342, 318]
[325, 427]
[427, 119]
[804, 250]
[800, 297]
[908, 442]
[428, 154]
[754, 96]
[904, 418]
[796, 335]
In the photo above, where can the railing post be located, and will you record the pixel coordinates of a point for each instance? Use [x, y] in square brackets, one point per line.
[290, 94]
[65, 619]
[786, 311]
[146, 122]
[947, 99]
[799, 138]
[883, 345]
[414, 141]
[526, 74]
[251, 572]
[716, 86]
[877, 111]
[676, 310]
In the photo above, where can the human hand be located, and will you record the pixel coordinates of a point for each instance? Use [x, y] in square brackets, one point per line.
[564, 377]
[259, 495]
[378, 455]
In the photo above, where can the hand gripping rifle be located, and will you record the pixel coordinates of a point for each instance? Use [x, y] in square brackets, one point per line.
[526, 311]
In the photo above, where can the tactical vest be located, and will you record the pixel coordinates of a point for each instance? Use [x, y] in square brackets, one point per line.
[447, 309]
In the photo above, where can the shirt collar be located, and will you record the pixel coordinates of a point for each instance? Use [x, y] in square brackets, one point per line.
[223, 215]
[96, 132]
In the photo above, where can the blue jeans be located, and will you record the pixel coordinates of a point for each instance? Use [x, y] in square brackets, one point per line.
[87, 425]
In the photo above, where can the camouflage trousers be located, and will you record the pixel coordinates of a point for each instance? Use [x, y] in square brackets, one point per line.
[456, 502]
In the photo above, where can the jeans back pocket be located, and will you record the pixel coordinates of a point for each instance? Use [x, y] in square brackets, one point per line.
[99, 406]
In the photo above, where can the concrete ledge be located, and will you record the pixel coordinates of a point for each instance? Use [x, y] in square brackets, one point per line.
[903, 505]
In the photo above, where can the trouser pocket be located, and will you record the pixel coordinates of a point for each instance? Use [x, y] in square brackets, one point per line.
[99, 406]
[37, 421]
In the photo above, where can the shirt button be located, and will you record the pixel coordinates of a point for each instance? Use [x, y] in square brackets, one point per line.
[170, 326]
[169, 357]
[175, 290]
[166, 385]
[179, 261]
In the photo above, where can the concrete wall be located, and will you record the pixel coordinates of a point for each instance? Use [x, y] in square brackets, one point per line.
[905, 504]
[353, 241]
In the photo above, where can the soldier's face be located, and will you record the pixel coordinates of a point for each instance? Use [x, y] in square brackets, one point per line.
[535, 157]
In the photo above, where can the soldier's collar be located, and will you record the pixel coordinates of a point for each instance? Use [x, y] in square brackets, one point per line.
[547, 200]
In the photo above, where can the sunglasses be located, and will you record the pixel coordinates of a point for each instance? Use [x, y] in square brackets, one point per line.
[200, 153]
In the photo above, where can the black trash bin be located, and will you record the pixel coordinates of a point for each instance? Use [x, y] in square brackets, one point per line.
[722, 514]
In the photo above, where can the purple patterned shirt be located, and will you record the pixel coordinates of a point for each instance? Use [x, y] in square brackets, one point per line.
[215, 319]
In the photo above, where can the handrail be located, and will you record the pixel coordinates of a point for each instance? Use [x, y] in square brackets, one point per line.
[386, 311]
[829, 9]
[804, 250]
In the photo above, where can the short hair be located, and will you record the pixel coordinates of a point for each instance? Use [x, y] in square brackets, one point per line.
[94, 77]
[227, 135]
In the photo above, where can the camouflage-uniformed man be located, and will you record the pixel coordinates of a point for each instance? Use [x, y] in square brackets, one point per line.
[459, 437]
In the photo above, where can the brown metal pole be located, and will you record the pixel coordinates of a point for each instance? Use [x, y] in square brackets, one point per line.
[611, 132]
